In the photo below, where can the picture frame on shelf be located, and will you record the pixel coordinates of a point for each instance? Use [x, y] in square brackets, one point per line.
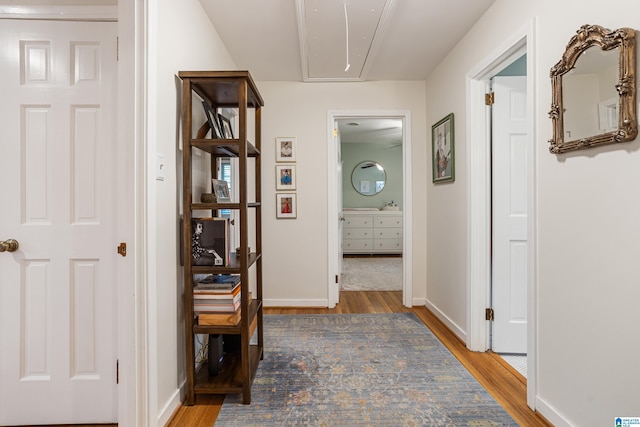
[225, 127]
[221, 191]
[285, 177]
[214, 125]
[285, 149]
[442, 150]
[210, 241]
[286, 205]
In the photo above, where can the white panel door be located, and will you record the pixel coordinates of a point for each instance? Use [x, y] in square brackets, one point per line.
[338, 142]
[57, 291]
[509, 195]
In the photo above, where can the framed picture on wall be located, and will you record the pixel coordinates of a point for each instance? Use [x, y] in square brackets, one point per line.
[285, 149]
[285, 177]
[442, 144]
[286, 205]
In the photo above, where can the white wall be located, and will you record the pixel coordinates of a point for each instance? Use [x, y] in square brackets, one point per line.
[181, 29]
[588, 233]
[295, 251]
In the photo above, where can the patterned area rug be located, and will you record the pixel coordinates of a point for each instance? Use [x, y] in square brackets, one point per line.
[360, 370]
[372, 274]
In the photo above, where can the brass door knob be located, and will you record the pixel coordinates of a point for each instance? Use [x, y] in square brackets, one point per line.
[10, 245]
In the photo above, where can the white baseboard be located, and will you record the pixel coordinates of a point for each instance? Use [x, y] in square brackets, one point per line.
[165, 414]
[460, 333]
[295, 303]
[551, 414]
[418, 302]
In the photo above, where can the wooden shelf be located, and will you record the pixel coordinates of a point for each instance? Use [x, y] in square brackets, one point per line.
[235, 90]
[224, 147]
[219, 206]
[223, 88]
[254, 308]
[234, 266]
[229, 380]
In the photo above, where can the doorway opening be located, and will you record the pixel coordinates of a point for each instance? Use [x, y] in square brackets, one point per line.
[371, 154]
[369, 180]
[480, 200]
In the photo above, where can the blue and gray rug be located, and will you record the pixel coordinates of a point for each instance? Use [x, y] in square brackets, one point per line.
[360, 370]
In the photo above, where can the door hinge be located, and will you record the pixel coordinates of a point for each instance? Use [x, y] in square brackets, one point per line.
[122, 249]
[337, 279]
[117, 371]
[488, 314]
[117, 49]
[489, 98]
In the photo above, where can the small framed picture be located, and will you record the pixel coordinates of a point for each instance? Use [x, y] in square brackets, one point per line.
[221, 191]
[285, 177]
[285, 149]
[225, 127]
[442, 140]
[214, 125]
[286, 205]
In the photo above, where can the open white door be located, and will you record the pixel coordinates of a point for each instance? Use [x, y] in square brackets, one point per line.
[57, 290]
[509, 219]
[338, 145]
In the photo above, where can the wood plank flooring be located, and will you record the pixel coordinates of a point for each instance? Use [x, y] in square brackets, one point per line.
[503, 382]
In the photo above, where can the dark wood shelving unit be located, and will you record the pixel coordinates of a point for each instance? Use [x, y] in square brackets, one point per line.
[225, 89]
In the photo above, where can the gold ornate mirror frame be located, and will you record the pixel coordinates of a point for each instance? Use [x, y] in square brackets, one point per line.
[589, 36]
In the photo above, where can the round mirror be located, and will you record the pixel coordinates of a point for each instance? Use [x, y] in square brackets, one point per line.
[368, 178]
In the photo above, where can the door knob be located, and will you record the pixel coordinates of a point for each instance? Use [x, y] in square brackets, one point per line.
[10, 245]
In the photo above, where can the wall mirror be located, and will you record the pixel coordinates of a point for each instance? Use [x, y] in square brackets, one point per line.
[368, 178]
[594, 90]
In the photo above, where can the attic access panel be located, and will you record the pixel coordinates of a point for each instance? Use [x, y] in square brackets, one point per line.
[323, 37]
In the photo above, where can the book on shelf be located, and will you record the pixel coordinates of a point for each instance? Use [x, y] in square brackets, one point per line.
[201, 306]
[210, 242]
[217, 282]
[216, 293]
[220, 319]
[224, 319]
[216, 299]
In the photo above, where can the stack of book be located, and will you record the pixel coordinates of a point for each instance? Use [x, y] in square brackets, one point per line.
[217, 294]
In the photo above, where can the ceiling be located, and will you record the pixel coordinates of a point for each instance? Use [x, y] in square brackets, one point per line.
[371, 130]
[306, 40]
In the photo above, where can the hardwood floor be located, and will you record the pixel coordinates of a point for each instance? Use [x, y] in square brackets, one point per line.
[503, 382]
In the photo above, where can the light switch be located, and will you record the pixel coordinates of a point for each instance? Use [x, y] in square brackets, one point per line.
[160, 166]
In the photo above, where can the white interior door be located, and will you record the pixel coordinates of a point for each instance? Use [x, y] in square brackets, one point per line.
[509, 219]
[57, 291]
[338, 144]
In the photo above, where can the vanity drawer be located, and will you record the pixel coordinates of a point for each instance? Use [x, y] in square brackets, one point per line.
[392, 221]
[358, 221]
[388, 233]
[357, 233]
[350, 245]
[391, 245]
[372, 232]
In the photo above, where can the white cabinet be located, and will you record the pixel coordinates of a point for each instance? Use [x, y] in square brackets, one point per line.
[372, 232]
